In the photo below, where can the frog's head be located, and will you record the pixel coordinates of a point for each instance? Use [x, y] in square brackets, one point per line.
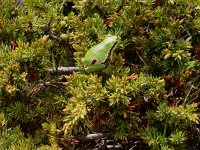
[98, 54]
[111, 39]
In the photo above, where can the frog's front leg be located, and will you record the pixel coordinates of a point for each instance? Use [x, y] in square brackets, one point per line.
[94, 67]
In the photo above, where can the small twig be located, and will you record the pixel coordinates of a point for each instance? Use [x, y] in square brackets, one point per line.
[115, 146]
[63, 70]
[92, 137]
[54, 37]
[141, 58]
[191, 93]
[18, 3]
[95, 136]
[82, 127]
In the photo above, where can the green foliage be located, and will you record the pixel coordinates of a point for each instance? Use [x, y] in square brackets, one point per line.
[142, 90]
[14, 139]
[193, 64]
[150, 87]
[118, 99]
[177, 114]
[20, 65]
[167, 125]
[86, 91]
[27, 98]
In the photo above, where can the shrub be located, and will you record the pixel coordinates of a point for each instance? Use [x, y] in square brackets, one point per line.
[140, 96]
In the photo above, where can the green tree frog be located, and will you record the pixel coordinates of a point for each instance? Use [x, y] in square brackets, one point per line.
[96, 56]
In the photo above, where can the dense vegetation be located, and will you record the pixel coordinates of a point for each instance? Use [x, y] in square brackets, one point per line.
[146, 97]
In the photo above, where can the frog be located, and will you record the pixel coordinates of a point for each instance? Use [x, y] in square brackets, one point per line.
[95, 57]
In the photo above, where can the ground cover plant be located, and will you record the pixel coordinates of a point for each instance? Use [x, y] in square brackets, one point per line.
[81, 74]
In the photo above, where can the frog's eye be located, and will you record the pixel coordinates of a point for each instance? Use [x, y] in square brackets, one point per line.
[94, 61]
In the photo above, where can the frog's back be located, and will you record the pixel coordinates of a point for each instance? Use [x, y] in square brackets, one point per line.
[99, 53]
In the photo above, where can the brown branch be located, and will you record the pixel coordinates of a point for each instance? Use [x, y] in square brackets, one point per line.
[63, 70]
[95, 136]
